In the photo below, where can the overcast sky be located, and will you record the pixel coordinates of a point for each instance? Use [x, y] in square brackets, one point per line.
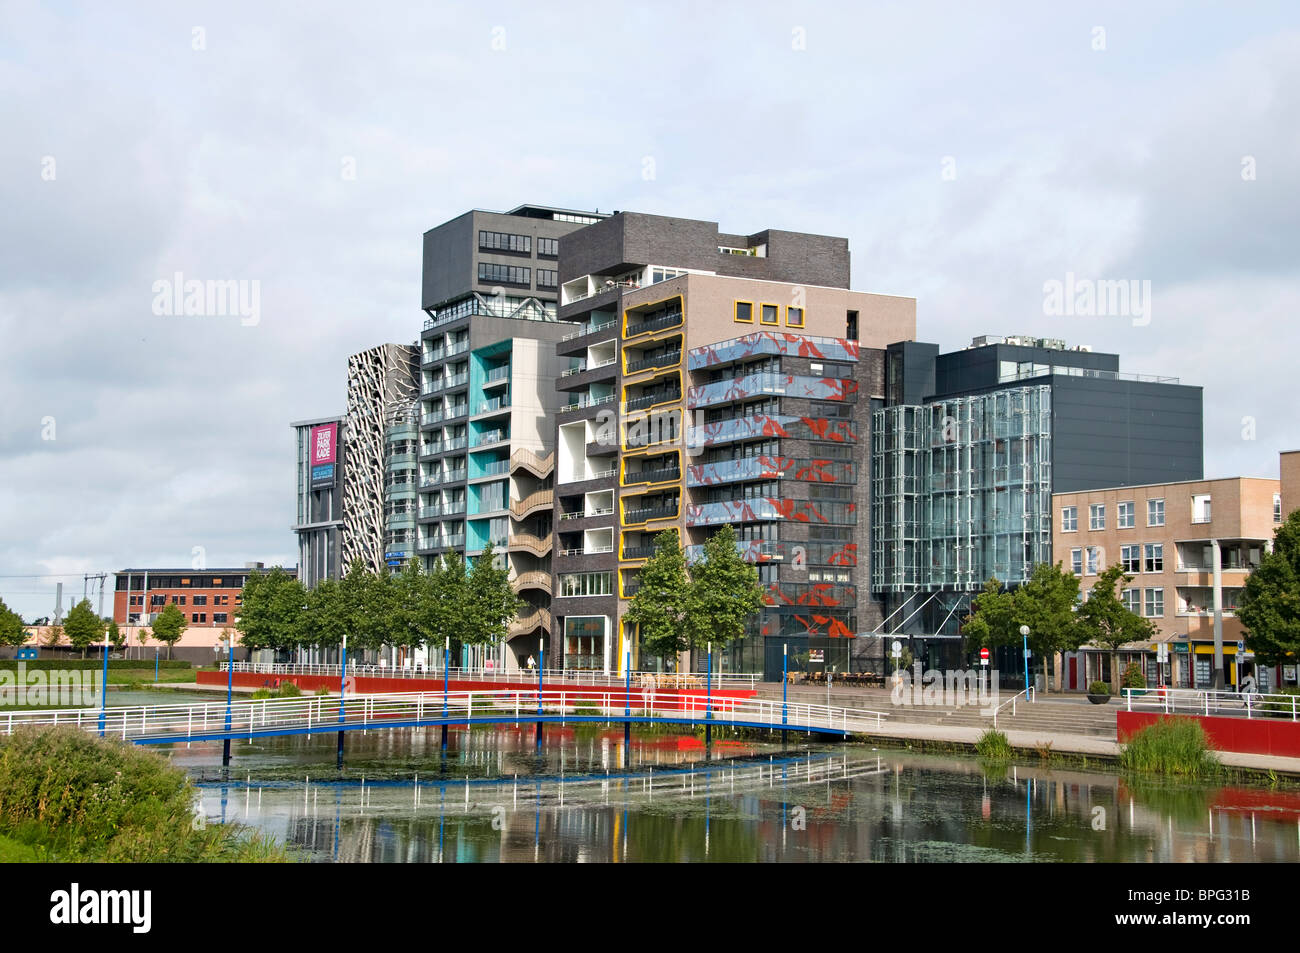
[969, 152]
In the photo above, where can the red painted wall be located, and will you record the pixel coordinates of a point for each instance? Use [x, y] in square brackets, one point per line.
[374, 685]
[1274, 736]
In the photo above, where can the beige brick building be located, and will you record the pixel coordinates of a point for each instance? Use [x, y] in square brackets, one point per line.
[1189, 547]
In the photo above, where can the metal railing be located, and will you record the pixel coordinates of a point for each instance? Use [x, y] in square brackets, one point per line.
[669, 320]
[1022, 696]
[322, 713]
[1196, 701]
[479, 673]
[589, 330]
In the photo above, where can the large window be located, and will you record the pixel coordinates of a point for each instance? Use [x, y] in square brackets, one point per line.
[1155, 512]
[1132, 599]
[1155, 557]
[587, 584]
[547, 277]
[1069, 519]
[505, 274]
[1126, 515]
[1096, 516]
[1130, 558]
[1155, 603]
[504, 241]
[548, 247]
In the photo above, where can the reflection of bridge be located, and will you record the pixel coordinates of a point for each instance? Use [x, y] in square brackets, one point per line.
[263, 718]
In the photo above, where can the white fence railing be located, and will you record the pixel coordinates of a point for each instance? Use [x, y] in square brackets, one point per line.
[320, 712]
[480, 674]
[1025, 695]
[1195, 701]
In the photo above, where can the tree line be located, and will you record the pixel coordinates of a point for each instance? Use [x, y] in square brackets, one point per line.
[679, 608]
[471, 603]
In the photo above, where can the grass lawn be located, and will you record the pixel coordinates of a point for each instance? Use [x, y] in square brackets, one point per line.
[127, 676]
[16, 852]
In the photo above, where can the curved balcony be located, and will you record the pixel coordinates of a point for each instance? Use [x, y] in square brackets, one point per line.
[532, 580]
[527, 542]
[527, 623]
[519, 509]
[537, 464]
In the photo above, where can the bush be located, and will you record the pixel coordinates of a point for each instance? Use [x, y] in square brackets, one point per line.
[1170, 746]
[262, 693]
[1133, 677]
[74, 797]
[1098, 688]
[289, 690]
[994, 746]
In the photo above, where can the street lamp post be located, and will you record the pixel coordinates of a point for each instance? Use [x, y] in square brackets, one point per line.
[708, 699]
[343, 691]
[541, 668]
[103, 689]
[230, 695]
[1024, 634]
[446, 661]
[627, 705]
[785, 681]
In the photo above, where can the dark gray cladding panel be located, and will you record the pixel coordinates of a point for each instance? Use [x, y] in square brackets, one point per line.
[973, 369]
[1124, 433]
[448, 261]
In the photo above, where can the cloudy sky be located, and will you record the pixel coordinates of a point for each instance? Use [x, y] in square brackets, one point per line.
[969, 152]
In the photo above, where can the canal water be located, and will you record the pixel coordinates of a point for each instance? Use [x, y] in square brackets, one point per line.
[494, 797]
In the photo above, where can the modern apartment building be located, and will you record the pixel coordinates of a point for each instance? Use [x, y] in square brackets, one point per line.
[970, 446]
[379, 480]
[487, 398]
[1189, 547]
[715, 378]
[319, 521]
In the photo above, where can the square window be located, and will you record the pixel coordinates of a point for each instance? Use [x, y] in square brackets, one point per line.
[1097, 516]
[1155, 512]
[794, 317]
[745, 312]
[1126, 517]
[769, 314]
[1069, 519]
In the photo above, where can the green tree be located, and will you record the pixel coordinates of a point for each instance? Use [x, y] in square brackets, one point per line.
[1107, 621]
[1269, 607]
[270, 609]
[142, 636]
[1046, 603]
[83, 627]
[660, 602]
[724, 592]
[321, 624]
[11, 627]
[54, 636]
[438, 615]
[169, 627]
[115, 635]
[492, 604]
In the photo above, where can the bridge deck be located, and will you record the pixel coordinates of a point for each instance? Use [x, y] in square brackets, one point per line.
[162, 724]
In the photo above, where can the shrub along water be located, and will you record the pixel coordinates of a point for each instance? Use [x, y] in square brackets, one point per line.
[994, 746]
[1170, 746]
[70, 796]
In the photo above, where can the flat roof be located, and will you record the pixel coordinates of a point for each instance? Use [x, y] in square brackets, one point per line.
[1143, 486]
[190, 571]
[312, 421]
